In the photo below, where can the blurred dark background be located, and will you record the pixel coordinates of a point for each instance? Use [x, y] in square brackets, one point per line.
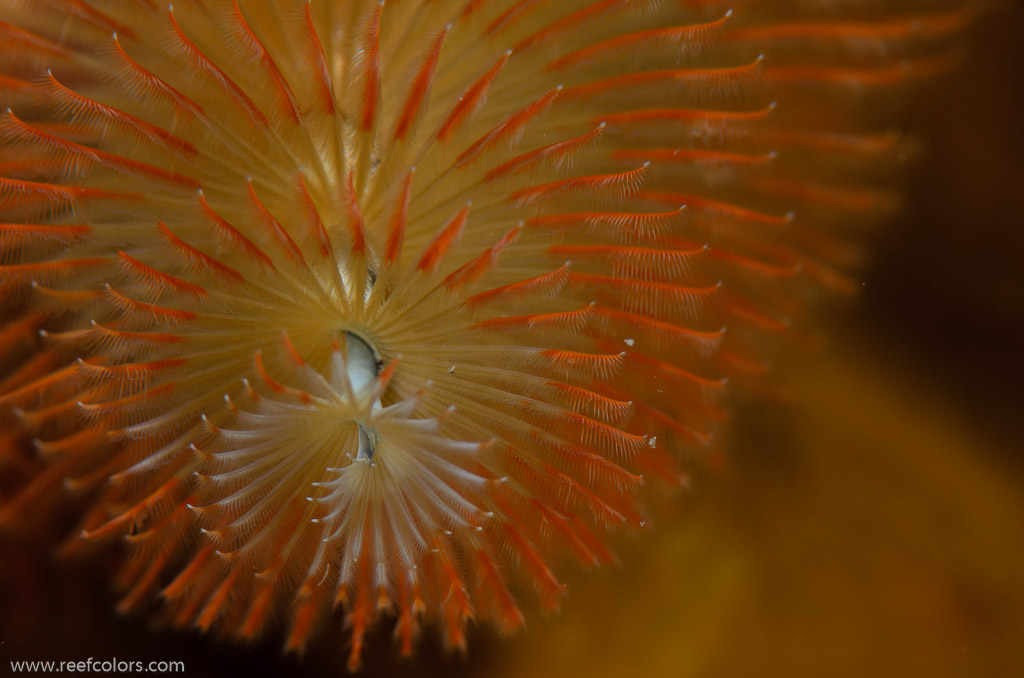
[948, 279]
[875, 529]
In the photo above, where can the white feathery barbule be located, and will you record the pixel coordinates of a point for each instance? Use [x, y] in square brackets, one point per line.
[399, 310]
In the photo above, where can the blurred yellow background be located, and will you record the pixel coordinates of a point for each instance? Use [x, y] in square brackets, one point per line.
[870, 531]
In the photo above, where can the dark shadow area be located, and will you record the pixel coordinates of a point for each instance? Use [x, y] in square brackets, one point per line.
[947, 279]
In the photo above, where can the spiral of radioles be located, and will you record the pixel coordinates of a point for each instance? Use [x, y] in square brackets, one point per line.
[399, 309]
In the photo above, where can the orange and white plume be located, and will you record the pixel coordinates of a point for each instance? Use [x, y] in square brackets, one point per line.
[400, 310]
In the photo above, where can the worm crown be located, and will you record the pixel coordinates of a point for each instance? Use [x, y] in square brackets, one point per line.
[392, 309]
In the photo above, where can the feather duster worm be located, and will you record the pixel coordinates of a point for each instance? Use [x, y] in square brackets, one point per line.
[391, 309]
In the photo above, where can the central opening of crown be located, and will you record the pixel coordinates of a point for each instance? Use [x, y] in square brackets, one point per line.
[362, 367]
[362, 362]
